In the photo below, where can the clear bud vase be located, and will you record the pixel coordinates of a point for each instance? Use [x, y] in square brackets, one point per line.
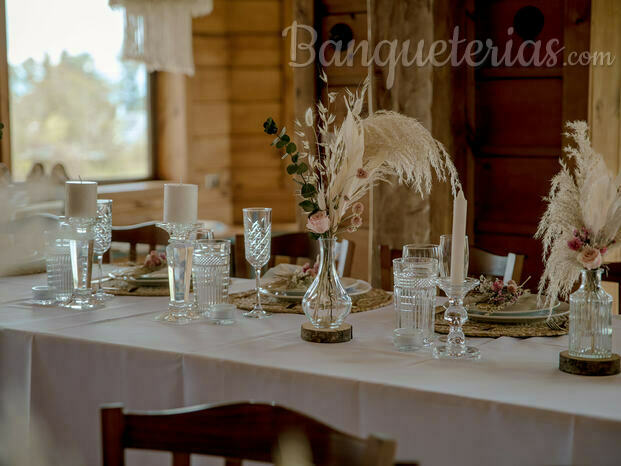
[326, 303]
[590, 318]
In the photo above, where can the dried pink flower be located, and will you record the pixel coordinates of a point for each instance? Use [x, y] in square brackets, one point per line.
[497, 285]
[574, 244]
[357, 208]
[362, 173]
[356, 221]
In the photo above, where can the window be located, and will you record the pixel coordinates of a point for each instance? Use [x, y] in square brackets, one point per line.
[72, 99]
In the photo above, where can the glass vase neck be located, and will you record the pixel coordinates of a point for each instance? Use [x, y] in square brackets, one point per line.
[591, 279]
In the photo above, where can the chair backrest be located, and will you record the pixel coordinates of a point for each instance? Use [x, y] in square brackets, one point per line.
[294, 246]
[142, 233]
[481, 262]
[240, 431]
[507, 267]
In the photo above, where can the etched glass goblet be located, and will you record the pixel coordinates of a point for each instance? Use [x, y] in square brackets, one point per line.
[103, 240]
[257, 242]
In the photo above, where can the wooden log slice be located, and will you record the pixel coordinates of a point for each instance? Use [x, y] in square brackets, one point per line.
[591, 367]
[326, 335]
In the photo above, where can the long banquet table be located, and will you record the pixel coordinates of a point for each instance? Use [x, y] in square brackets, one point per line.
[512, 407]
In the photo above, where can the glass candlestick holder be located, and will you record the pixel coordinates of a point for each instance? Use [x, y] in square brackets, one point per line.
[179, 257]
[456, 316]
[81, 239]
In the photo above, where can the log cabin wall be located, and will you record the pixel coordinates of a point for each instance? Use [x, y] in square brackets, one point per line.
[238, 84]
[345, 20]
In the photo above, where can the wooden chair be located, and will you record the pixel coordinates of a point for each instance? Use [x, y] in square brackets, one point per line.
[237, 432]
[142, 233]
[294, 246]
[507, 267]
[481, 262]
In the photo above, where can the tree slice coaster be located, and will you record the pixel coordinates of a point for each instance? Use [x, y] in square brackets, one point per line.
[593, 367]
[326, 335]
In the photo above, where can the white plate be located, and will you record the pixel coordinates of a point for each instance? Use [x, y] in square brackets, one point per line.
[526, 305]
[535, 315]
[353, 287]
[157, 278]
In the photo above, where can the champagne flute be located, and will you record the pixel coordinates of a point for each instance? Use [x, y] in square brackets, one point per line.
[445, 256]
[103, 240]
[257, 242]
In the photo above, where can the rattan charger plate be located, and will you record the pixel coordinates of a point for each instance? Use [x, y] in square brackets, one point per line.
[493, 330]
[246, 300]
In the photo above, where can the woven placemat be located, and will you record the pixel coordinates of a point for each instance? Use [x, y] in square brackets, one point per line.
[246, 300]
[491, 330]
[122, 288]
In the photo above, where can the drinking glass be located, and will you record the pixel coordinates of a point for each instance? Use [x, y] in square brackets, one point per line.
[257, 241]
[445, 256]
[431, 251]
[210, 273]
[415, 299]
[103, 240]
[58, 261]
[427, 251]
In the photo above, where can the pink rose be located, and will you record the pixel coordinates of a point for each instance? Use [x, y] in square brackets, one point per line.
[319, 222]
[574, 244]
[357, 208]
[306, 267]
[362, 173]
[590, 258]
[497, 285]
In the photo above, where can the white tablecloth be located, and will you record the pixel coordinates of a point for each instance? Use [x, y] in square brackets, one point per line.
[512, 407]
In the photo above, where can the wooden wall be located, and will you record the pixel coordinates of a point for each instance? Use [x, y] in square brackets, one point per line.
[352, 13]
[237, 85]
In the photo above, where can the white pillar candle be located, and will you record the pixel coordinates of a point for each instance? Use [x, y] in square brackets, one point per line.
[458, 239]
[80, 199]
[180, 203]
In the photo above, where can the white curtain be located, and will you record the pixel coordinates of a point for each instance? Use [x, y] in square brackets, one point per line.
[159, 32]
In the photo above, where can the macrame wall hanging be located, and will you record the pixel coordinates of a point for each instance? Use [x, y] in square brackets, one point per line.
[159, 32]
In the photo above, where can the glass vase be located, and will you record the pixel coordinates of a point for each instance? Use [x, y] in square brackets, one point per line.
[326, 303]
[590, 318]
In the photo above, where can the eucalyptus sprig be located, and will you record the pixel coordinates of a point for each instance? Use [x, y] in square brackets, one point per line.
[297, 168]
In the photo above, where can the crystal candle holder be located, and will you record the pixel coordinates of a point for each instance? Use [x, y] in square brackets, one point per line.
[456, 316]
[81, 239]
[179, 257]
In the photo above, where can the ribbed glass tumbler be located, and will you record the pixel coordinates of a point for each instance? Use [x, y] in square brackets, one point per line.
[210, 273]
[415, 297]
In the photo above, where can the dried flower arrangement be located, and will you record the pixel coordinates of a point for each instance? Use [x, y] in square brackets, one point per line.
[339, 164]
[582, 220]
[298, 279]
[492, 295]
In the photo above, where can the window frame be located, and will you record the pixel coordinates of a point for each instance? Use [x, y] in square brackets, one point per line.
[5, 117]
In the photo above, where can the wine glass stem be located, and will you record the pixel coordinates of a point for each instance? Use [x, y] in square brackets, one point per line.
[257, 274]
[100, 266]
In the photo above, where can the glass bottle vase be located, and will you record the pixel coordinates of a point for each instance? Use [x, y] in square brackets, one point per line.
[590, 318]
[326, 303]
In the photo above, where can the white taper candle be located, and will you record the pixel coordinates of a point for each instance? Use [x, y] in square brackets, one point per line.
[458, 239]
[80, 199]
[180, 203]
